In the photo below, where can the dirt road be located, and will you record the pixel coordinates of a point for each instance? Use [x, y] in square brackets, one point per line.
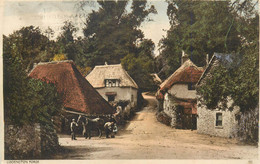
[145, 138]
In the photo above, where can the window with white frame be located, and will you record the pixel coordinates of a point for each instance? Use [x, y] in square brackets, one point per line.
[112, 82]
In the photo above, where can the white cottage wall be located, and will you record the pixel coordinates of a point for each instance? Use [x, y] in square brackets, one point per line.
[126, 93]
[181, 91]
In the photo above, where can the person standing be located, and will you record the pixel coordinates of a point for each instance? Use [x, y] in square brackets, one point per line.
[73, 125]
[108, 128]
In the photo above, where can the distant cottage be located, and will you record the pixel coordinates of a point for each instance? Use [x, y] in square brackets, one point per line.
[79, 97]
[216, 122]
[114, 84]
[177, 95]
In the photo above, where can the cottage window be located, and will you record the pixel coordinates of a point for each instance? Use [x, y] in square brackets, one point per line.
[111, 98]
[191, 86]
[218, 119]
[112, 82]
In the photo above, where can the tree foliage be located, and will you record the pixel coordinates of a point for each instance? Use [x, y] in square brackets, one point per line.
[30, 45]
[141, 65]
[201, 28]
[26, 100]
[112, 33]
[239, 80]
[66, 41]
[198, 28]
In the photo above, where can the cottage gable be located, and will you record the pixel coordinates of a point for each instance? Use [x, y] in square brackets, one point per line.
[187, 74]
[177, 95]
[78, 94]
[217, 122]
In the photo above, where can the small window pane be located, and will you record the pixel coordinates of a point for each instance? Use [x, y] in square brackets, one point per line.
[218, 119]
[191, 86]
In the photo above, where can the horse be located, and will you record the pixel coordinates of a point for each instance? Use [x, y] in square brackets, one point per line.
[91, 124]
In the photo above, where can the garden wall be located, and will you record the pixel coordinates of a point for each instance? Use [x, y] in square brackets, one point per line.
[29, 142]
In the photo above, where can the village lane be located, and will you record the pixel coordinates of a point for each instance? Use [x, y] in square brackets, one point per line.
[145, 138]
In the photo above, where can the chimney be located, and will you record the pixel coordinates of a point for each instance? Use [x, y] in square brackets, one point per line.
[184, 57]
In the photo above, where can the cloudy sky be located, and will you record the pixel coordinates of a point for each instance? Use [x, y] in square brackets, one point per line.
[17, 14]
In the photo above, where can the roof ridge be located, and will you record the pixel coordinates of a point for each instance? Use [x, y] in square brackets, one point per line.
[107, 65]
[51, 62]
[55, 62]
[187, 64]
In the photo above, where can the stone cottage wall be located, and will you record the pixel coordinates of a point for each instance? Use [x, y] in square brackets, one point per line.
[29, 142]
[170, 109]
[206, 122]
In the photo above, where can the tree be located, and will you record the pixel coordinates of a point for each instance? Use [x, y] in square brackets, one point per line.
[66, 41]
[141, 65]
[59, 57]
[240, 81]
[26, 101]
[199, 28]
[30, 45]
[112, 33]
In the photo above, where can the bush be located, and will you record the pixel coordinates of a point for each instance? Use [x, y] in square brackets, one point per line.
[248, 126]
[164, 118]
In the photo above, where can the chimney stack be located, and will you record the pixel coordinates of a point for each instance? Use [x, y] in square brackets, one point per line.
[184, 57]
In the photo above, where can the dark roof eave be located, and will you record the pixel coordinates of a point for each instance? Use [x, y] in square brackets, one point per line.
[116, 87]
[206, 70]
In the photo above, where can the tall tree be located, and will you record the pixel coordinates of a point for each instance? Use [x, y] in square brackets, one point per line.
[66, 41]
[141, 65]
[198, 28]
[26, 101]
[30, 45]
[112, 32]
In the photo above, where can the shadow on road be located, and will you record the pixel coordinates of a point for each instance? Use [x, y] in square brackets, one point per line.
[78, 152]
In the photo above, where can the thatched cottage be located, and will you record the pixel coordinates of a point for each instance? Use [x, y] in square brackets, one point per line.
[217, 122]
[114, 84]
[177, 95]
[79, 97]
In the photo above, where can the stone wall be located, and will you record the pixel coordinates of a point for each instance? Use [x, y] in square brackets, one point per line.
[169, 109]
[29, 142]
[206, 121]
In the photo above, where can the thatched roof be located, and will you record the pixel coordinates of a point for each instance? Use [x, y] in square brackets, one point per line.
[97, 76]
[187, 73]
[78, 94]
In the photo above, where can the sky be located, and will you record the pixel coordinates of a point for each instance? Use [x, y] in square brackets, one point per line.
[18, 14]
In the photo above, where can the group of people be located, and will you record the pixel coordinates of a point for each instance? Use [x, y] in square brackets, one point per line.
[110, 128]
